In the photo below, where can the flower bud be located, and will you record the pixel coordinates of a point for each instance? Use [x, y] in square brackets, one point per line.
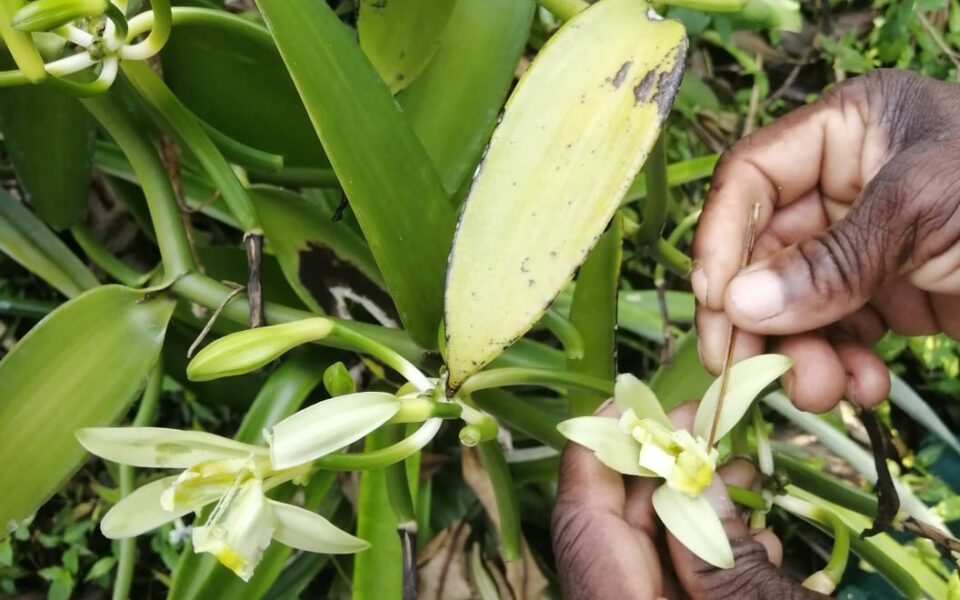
[249, 350]
[338, 381]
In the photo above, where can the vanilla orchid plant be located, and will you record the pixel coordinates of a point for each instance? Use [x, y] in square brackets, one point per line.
[644, 443]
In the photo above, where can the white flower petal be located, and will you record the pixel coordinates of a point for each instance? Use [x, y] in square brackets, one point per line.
[239, 529]
[305, 530]
[632, 394]
[695, 524]
[613, 447]
[328, 426]
[656, 459]
[747, 379]
[158, 447]
[141, 511]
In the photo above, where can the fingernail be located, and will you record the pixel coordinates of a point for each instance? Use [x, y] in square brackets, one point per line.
[757, 295]
[698, 281]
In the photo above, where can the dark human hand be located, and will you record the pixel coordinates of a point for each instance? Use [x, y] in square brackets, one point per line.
[858, 233]
[608, 543]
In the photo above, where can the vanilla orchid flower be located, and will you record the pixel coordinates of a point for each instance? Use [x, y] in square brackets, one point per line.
[643, 443]
[237, 476]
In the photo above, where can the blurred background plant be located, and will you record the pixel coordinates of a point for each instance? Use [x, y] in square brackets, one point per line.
[76, 208]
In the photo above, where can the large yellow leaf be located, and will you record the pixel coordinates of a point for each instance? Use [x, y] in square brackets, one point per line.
[575, 133]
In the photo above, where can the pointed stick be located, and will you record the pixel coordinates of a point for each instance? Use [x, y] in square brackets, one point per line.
[748, 241]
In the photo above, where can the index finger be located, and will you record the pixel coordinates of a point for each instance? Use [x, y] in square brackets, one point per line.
[816, 146]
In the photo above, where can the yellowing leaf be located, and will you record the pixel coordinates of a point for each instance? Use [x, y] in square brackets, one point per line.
[575, 133]
[747, 379]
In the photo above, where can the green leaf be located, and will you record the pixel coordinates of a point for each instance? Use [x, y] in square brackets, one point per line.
[400, 36]
[613, 447]
[328, 426]
[100, 568]
[28, 241]
[377, 573]
[80, 367]
[593, 312]
[49, 137]
[910, 402]
[481, 44]
[387, 176]
[213, 58]
[302, 235]
[684, 379]
[575, 133]
[695, 524]
[746, 380]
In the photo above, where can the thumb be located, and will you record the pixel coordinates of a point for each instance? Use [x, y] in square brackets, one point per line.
[821, 280]
[753, 576]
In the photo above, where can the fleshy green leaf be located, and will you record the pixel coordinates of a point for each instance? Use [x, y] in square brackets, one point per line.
[576, 131]
[161, 448]
[747, 379]
[213, 55]
[631, 393]
[392, 187]
[249, 350]
[684, 378]
[80, 367]
[141, 511]
[28, 241]
[400, 36]
[481, 44]
[49, 137]
[305, 530]
[329, 425]
[612, 446]
[695, 524]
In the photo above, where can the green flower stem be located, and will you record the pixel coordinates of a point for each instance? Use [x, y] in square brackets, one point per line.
[377, 459]
[112, 266]
[521, 415]
[495, 378]
[764, 451]
[480, 427]
[390, 358]
[115, 14]
[827, 579]
[152, 175]
[747, 498]
[161, 23]
[564, 9]
[719, 6]
[817, 482]
[675, 261]
[20, 44]
[146, 413]
[239, 153]
[565, 331]
[418, 410]
[12, 78]
[193, 136]
[297, 177]
[25, 307]
[182, 15]
[684, 226]
[210, 293]
[505, 494]
[658, 190]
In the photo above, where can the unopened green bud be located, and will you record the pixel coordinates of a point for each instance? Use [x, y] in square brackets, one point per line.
[246, 351]
[338, 381]
[43, 15]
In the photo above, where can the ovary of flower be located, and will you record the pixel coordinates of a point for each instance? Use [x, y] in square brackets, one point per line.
[675, 455]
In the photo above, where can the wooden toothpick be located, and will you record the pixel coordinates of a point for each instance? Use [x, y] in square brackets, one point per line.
[748, 241]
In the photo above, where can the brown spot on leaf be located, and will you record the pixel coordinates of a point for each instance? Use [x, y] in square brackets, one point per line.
[617, 80]
[641, 92]
[669, 81]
